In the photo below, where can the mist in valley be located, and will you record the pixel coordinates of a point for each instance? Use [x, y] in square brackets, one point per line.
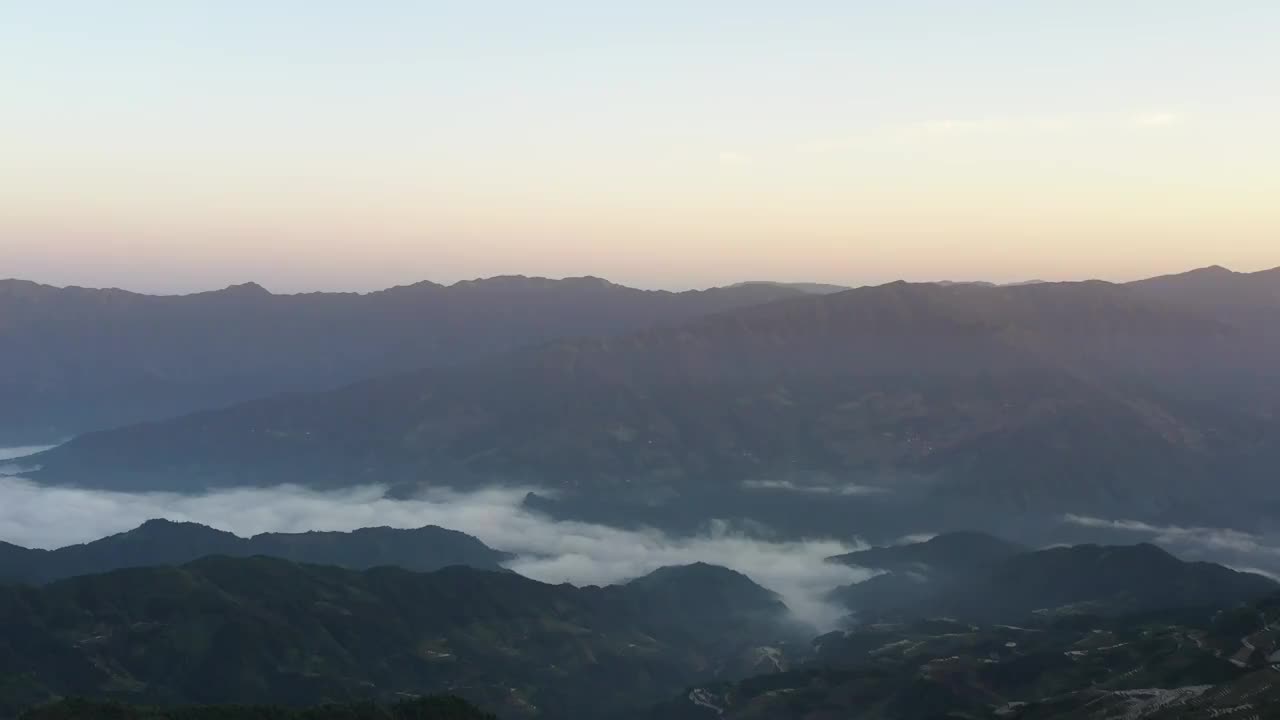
[554, 551]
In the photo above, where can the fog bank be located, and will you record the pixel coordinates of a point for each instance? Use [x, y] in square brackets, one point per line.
[34, 515]
[9, 453]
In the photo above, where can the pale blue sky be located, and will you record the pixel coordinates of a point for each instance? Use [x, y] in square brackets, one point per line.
[170, 145]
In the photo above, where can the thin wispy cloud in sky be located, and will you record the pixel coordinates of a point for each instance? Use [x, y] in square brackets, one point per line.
[1156, 119]
[994, 126]
[847, 489]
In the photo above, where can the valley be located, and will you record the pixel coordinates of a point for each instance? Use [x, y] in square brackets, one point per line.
[766, 511]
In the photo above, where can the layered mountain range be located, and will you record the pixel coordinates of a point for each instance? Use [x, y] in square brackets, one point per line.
[1153, 399]
[78, 359]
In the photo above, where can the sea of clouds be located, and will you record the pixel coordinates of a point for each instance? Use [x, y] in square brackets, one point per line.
[38, 516]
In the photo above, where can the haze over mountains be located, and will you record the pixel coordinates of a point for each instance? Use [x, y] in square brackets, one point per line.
[1153, 400]
[77, 359]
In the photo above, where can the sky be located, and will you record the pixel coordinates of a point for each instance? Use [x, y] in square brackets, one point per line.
[169, 146]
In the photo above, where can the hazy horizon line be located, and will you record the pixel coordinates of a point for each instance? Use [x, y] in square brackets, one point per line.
[652, 288]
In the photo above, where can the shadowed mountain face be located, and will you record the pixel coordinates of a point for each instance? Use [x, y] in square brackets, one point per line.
[1060, 396]
[270, 631]
[1118, 624]
[1245, 299]
[1117, 633]
[160, 542]
[1147, 666]
[978, 577]
[719, 590]
[77, 359]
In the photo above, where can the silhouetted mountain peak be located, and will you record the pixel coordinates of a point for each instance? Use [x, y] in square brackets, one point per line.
[160, 525]
[524, 283]
[155, 523]
[702, 581]
[244, 290]
[696, 570]
[157, 528]
[16, 287]
[809, 288]
[421, 286]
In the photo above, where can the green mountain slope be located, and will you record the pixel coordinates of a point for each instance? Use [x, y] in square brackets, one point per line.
[262, 630]
[1183, 664]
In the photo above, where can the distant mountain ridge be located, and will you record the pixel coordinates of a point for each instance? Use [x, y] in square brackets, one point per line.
[1067, 397]
[78, 359]
[1249, 300]
[162, 542]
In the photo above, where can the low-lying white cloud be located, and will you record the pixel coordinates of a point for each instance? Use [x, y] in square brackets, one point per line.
[788, 486]
[964, 129]
[1237, 549]
[1155, 119]
[1257, 571]
[1209, 538]
[581, 553]
[11, 453]
[914, 539]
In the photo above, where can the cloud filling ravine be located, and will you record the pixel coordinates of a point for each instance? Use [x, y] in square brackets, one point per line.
[581, 553]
